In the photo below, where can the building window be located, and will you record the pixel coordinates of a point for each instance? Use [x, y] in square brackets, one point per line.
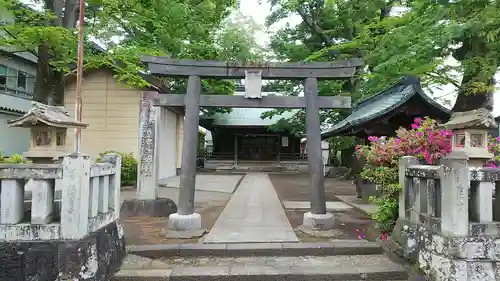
[3, 75]
[21, 79]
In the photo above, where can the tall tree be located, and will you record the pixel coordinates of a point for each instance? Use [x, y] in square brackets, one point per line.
[327, 32]
[421, 41]
[46, 34]
[202, 30]
[127, 29]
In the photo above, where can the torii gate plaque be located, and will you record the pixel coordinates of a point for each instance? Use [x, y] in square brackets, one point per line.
[186, 223]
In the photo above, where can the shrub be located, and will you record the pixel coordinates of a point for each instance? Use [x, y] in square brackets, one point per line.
[424, 141]
[128, 169]
[15, 158]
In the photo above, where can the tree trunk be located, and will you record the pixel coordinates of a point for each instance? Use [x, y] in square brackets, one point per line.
[478, 81]
[470, 102]
[49, 83]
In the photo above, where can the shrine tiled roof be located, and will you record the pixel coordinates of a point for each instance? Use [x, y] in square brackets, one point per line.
[383, 103]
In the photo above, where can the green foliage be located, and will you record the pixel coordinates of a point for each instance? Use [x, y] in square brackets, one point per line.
[417, 41]
[128, 29]
[326, 29]
[128, 168]
[24, 30]
[15, 158]
[200, 30]
[387, 203]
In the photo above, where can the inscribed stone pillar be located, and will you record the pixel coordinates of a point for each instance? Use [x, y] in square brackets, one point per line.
[455, 185]
[185, 223]
[75, 193]
[317, 218]
[149, 120]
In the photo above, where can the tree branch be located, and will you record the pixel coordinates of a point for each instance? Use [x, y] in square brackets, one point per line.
[315, 28]
[441, 76]
[33, 52]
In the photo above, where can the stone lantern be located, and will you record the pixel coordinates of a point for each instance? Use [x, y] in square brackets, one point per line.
[470, 134]
[48, 128]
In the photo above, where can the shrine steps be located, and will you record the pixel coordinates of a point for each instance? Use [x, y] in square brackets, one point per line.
[337, 260]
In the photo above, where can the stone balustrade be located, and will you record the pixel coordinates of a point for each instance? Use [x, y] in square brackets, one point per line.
[449, 220]
[68, 200]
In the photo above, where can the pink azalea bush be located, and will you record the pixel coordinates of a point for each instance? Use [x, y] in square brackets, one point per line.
[494, 147]
[424, 141]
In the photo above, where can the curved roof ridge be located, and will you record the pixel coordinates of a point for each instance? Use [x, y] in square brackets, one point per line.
[405, 81]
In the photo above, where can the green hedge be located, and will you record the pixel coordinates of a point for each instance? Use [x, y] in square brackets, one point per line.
[129, 167]
[15, 158]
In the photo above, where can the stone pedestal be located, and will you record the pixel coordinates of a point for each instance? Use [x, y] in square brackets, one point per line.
[320, 225]
[184, 226]
[318, 221]
[97, 256]
[159, 207]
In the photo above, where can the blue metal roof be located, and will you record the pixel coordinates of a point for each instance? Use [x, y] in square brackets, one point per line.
[383, 103]
[248, 117]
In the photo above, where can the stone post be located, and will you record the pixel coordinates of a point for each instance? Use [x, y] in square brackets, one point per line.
[185, 223]
[405, 183]
[455, 185]
[147, 186]
[114, 184]
[75, 188]
[317, 218]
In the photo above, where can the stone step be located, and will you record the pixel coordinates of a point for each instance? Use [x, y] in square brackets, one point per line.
[336, 247]
[302, 268]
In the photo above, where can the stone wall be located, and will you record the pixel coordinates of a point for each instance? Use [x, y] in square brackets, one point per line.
[451, 235]
[81, 240]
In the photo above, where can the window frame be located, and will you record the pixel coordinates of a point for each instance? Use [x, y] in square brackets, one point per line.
[25, 80]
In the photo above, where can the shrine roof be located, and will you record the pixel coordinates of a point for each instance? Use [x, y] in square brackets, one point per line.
[383, 103]
[247, 117]
[54, 116]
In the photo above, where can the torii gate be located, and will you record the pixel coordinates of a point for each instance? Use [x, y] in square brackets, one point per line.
[186, 223]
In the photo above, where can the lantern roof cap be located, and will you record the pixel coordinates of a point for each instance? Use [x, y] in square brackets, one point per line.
[474, 119]
[42, 114]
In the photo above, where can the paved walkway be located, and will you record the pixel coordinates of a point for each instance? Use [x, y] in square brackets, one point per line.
[212, 183]
[253, 214]
[358, 203]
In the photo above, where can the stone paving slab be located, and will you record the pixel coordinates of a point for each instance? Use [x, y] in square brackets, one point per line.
[336, 247]
[358, 203]
[213, 183]
[352, 267]
[306, 205]
[253, 214]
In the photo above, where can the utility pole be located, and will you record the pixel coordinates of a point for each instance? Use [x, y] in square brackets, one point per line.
[79, 76]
